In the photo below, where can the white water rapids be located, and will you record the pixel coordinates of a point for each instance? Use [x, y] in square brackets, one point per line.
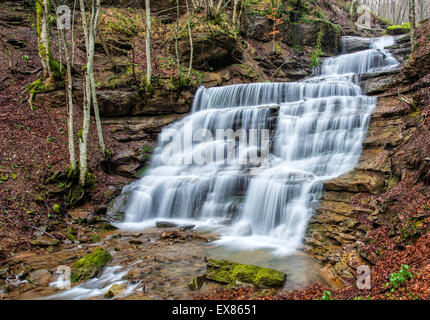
[316, 128]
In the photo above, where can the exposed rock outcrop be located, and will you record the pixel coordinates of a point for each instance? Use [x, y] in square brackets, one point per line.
[306, 34]
[210, 52]
[256, 27]
[341, 219]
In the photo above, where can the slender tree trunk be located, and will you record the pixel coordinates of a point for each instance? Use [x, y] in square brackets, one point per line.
[191, 41]
[69, 89]
[218, 7]
[73, 34]
[90, 94]
[176, 37]
[240, 13]
[351, 9]
[92, 35]
[412, 23]
[148, 42]
[83, 135]
[42, 9]
[235, 4]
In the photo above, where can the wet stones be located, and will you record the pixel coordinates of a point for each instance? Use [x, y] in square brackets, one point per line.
[169, 224]
[114, 291]
[171, 236]
[45, 241]
[40, 277]
[165, 224]
[136, 242]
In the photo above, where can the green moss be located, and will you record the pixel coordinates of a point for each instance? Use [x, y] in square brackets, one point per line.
[56, 208]
[36, 86]
[88, 266]
[398, 29]
[56, 68]
[392, 181]
[316, 55]
[70, 234]
[96, 237]
[106, 227]
[234, 273]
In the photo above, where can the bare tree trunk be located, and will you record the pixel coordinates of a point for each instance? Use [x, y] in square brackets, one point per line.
[69, 89]
[240, 13]
[218, 7]
[235, 4]
[83, 135]
[412, 23]
[73, 34]
[92, 34]
[90, 94]
[148, 42]
[191, 40]
[176, 37]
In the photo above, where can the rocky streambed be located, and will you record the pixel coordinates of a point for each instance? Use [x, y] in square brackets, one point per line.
[155, 263]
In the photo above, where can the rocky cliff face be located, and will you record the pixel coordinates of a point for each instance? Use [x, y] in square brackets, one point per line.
[346, 212]
[362, 209]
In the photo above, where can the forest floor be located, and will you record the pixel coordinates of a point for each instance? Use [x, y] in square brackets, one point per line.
[33, 146]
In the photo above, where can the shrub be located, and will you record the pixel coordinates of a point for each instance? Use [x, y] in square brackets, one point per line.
[399, 278]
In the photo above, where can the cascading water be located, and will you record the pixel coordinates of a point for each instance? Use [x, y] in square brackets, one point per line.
[278, 143]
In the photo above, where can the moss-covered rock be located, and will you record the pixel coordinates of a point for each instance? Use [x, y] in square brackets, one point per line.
[88, 266]
[235, 273]
[398, 29]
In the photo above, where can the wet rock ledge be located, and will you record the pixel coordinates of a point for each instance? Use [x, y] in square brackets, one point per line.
[340, 220]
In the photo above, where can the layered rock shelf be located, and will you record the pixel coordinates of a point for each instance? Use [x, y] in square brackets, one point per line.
[334, 232]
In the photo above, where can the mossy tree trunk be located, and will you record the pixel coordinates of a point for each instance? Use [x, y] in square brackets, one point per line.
[51, 67]
[52, 71]
[42, 9]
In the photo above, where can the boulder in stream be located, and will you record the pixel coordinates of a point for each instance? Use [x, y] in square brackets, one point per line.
[165, 224]
[88, 266]
[234, 273]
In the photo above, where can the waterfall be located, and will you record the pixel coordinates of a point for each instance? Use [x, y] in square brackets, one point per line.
[251, 159]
